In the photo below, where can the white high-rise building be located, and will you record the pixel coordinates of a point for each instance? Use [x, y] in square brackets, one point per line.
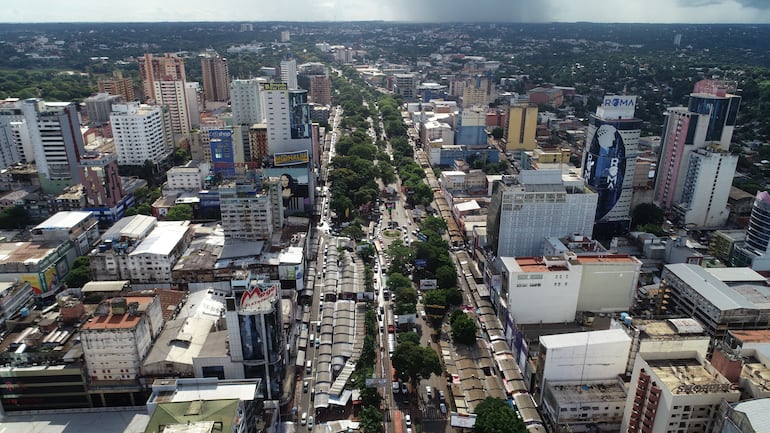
[289, 73]
[194, 97]
[246, 213]
[246, 99]
[535, 205]
[15, 144]
[609, 162]
[54, 129]
[695, 169]
[142, 133]
[288, 119]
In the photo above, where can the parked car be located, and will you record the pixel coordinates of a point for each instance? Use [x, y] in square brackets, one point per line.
[303, 418]
[442, 408]
[408, 420]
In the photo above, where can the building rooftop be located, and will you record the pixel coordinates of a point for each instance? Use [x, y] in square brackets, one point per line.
[25, 252]
[688, 376]
[118, 321]
[99, 420]
[197, 416]
[721, 295]
[64, 220]
[105, 286]
[133, 227]
[203, 389]
[570, 393]
[163, 239]
[757, 412]
[583, 339]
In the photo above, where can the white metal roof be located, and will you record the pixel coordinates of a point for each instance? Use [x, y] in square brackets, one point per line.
[63, 220]
[574, 339]
[163, 239]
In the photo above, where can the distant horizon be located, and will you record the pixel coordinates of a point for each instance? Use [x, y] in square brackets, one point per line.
[398, 11]
[388, 22]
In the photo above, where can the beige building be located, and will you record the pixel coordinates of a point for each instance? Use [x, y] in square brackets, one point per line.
[522, 124]
[675, 392]
[216, 77]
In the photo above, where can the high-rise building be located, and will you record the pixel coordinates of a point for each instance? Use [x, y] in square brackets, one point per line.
[216, 77]
[169, 67]
[193, 95]
[522, 125]
[142, 133]
[224, 152]
[289, 73]
[54, 129]
[255, 330]
[471, 128]
[320, 90]
[537, 204]
[479, 90]
[258, 144]
[695, 169]
[285, 107]
[119, 86]
[103, 186]
[247, 213]
[676, 391]
[246, 100]
[119, 336]
[99, 107]
[172, 94]
[609, 162]
[405, 85]
[15, 142]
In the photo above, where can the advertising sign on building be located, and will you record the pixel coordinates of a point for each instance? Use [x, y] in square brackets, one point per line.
[617, 107]
[259, 298]
[291, 158]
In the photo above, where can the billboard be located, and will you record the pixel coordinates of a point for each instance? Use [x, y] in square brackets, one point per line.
[295, 187]
[611, 153]
[426, 284]
[291, 158]
[617, 107]
[222, 151]
[259, 298]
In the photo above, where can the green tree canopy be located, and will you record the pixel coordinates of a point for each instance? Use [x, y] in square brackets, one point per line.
[463, 328]
[179, 212]
[493, 415]
[647, 213]
[413, 362]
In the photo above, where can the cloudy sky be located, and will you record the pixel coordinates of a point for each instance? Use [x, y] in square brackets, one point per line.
[660, 11]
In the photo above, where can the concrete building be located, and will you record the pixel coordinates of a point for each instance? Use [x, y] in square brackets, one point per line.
[103, 186]
[320, 90]
[119, 86]
[720, 298]
[216, 77]
[188, 177]
[118, 337]
[173, 94]
[478, 91]
[248, 213]
[405, 85]
[289, 73]
[695, 168]
[142, 133]
[538, 290]
[140, 249]
[43, 265]
[609, 162]
[175, 396]
[81, 228]
[193, 95]
[99, 107]
[247, 101]
[14, 296]
[675, 391]
[582, 356]
[168, 67]
[258, 145]
[537, 204]
[15, 140]
[255, 330]
[522, 124]
[285, 107]
[742, 417]
[584, 405]
[470, 130]
[57, 143]
[755, 251]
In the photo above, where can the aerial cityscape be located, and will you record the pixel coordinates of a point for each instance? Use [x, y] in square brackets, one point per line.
[507, 218]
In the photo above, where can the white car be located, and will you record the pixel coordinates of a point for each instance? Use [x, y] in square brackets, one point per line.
[408, 420]
[303, 418]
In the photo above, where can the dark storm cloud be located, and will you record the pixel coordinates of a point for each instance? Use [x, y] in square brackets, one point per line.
[472, 10]
[757, 4]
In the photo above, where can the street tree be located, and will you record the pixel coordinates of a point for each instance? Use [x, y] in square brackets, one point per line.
[493, 415]
[414, 362]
